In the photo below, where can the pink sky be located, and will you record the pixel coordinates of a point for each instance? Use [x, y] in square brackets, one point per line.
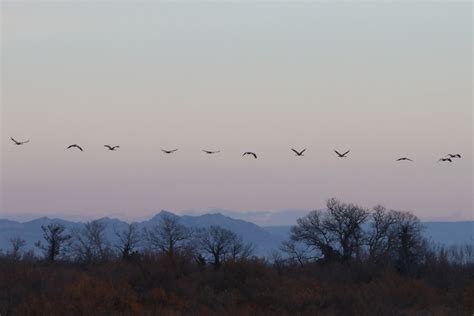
[384, 80]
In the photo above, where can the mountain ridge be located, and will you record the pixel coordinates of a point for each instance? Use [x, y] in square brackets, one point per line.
[265, 238]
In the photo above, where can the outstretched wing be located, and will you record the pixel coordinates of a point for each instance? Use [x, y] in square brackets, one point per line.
[295, 151]
[169, 151]
[250, 153]
[346, 152]
[75, 146]
[338, 153]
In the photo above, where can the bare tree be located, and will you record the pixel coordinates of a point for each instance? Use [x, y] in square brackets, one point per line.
[277, 260]
[382, 233]
[128, 241]
[410, 243]
[296, 252]
[169, 236]
[216, 242]
[90, 243]
[55, 239]
[469, 252]
[17, 244]
[336, 233]
[240, 250]
[345, 221]
[310, 230]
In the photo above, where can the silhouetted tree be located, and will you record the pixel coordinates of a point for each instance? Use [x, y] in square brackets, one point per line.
[409, 241]
[217, 243]
[336, 233]
[128, 241]
[297, 252]
[240, 250]
[169, 236]
[90, 243]
[382, 233]
[17, 244]
[55, 239]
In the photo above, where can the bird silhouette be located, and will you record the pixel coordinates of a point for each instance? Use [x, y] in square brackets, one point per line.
[445, 159]
[210, 152]
[344, 155]
[169, 151]
[250, 153]
[19, 143]
[75, 146]
[454, 155]
[112, 148]
[404, 158]
[298, 153]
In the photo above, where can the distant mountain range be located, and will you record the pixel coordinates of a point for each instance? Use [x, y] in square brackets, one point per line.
[31, 232]
[266, 239]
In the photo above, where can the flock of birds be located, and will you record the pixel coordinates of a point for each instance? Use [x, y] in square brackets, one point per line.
[299, 153]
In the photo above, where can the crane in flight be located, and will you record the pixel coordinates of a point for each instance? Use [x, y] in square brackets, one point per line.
[445, 159]
[75, 146]
[454, 155]
[250, 153]
[211, 152]
[111, 148]
[19, 143]
[344, 155]
[169, 151]
[298, 153]
[404, 159]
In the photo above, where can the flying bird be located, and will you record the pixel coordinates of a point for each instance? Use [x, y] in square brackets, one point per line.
[404, 158]
[454, 155]
[75, 146]
[445, 159]
[298, 153]
[344, 155]
[210, 152]
[112, 148]
[169, 151]
[19, 143]
[250, 153]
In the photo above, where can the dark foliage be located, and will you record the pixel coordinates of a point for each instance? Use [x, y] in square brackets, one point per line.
[159, 285]
[348, 261]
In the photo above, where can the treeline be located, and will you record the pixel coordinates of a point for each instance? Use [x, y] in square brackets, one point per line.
[345, 260]
[89, 244]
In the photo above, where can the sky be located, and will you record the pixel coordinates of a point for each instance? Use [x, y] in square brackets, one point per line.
[384, 80]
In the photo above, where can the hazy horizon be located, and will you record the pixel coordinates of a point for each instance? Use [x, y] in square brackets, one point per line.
[385, 80]
[260, 218]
